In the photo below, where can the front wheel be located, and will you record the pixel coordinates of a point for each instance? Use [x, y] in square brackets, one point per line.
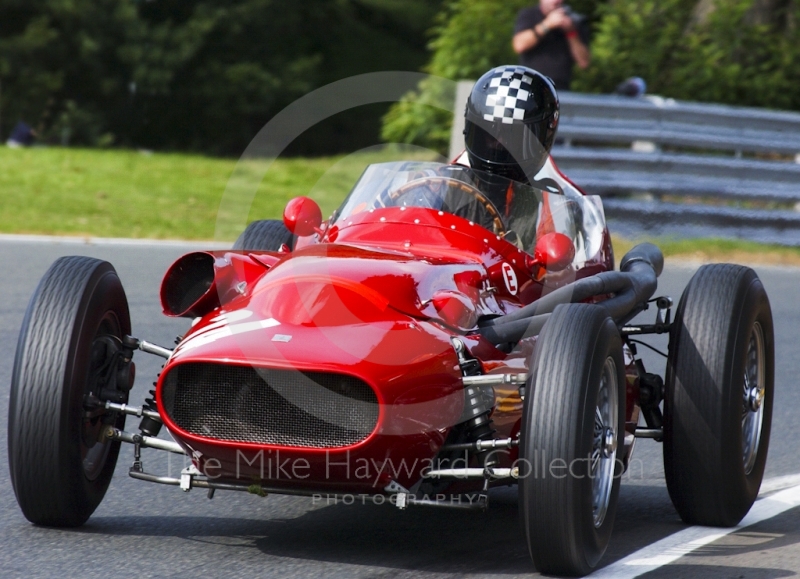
[67, 355]
[573, 423]
[718, 396]
[265, 235]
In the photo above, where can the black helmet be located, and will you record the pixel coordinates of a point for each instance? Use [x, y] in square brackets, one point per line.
[511, 121]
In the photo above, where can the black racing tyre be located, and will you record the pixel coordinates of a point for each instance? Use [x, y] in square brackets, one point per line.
[718, 395]
[264, 235]
[59, 469]
[572, 425]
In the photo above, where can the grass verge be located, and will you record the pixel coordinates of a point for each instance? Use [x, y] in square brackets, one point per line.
[717, 250]
[113, 193]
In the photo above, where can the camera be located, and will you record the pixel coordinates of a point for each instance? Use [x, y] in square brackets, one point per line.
[576, 17]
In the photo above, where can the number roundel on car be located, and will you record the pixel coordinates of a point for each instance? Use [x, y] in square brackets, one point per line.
[510, 279]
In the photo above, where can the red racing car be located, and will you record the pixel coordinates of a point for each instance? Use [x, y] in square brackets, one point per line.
[444, 332]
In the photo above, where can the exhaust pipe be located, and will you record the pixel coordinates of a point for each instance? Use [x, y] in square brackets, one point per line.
[634, 285]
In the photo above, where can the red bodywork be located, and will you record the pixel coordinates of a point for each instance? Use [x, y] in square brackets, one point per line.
[377, 298]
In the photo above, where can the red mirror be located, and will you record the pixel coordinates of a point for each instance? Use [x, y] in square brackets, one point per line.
[554, 251]
[302, 216]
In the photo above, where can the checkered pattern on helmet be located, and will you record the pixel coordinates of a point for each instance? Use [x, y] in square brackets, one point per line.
[507, 92]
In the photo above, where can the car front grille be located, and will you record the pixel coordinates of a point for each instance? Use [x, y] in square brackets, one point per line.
[268, 406]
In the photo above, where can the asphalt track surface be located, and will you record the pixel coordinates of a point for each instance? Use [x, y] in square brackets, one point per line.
[148, 530]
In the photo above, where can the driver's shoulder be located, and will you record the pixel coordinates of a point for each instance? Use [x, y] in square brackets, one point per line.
[551, 174]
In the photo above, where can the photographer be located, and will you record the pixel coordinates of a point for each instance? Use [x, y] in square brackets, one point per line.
[550, 38]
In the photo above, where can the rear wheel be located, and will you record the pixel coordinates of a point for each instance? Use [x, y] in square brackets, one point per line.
[265, 235]
[718, 398]
[573, 423]
[66, 356]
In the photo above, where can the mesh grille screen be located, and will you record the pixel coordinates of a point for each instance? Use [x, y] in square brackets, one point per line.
[265, 406]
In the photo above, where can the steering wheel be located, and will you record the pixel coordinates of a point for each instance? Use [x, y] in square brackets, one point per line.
[435, 185]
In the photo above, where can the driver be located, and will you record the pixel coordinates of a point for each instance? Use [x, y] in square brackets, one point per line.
[510, 124]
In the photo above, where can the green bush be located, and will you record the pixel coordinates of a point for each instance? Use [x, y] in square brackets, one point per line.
[464, 47]
[735, 59]
[81, 125]
[422, 117]
[733, 55]
[635, 38]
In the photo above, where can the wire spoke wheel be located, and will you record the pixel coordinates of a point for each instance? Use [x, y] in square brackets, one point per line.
[573, 420]
[753, 398]
[604, 448]
[718, 395]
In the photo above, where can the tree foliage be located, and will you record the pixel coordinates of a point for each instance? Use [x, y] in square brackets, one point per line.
[470, 37]
[635, 38]
[196, 74]
[208, 74]
[741, 52]
[741, 55]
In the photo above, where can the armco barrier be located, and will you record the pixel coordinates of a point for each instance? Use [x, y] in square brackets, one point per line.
[730, 160]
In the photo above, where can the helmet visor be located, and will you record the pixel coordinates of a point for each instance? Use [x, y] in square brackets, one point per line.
[504, 144]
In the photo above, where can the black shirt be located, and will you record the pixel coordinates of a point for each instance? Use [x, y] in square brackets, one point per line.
[551, 56]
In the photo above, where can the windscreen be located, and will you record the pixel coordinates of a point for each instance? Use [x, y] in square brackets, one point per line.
[514, 210]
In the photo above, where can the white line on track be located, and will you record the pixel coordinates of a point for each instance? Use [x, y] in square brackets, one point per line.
[684, 542]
